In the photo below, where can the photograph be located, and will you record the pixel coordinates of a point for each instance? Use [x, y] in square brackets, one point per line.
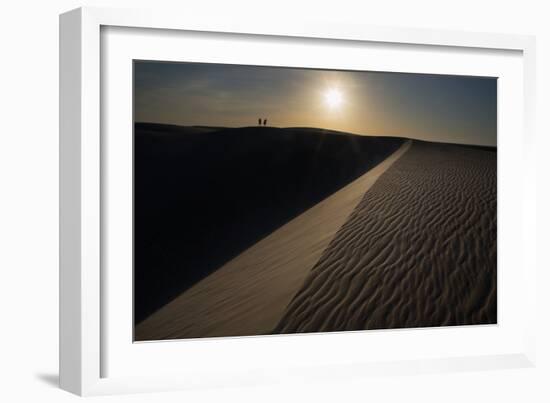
[272, 200]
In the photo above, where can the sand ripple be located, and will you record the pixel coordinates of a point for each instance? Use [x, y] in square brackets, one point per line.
[419, 250]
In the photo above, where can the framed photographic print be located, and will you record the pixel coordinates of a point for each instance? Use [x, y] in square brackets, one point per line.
[234, 201]
[295, 223]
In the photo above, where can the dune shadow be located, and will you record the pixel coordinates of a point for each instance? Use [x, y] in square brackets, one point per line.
[204, 195]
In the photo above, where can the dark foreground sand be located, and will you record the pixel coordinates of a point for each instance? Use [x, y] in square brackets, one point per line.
[204, 195]
[419, 250]
[248, 295]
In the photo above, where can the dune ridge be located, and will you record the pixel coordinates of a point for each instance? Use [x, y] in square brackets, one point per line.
[248, 295]
[419, 250]
[203, 195]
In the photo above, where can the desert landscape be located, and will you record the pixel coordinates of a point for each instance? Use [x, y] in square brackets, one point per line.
[279, 200]
[395, 233]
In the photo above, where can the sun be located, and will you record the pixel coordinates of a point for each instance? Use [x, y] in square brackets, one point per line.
[334, 98]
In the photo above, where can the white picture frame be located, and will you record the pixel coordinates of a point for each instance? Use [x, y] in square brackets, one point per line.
[88, 348]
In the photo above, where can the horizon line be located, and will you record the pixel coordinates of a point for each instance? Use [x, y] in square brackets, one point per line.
[316, 128]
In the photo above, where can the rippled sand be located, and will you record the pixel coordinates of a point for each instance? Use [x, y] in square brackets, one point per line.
[418, 250]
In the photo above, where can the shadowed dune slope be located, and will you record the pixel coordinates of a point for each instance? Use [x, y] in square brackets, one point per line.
[203, 195]
[418, 250]
[248, 294]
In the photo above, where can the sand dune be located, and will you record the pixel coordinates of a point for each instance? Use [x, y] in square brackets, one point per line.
[418, 250]
[250, 293]
[204, 195]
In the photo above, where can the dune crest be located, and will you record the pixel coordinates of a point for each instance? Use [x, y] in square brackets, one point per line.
[248, 295]
[203, 195]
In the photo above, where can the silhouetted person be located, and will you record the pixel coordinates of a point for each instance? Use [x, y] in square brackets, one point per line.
[265, 122]
[259, 121]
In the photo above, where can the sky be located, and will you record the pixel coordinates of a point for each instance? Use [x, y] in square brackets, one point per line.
[443, 108]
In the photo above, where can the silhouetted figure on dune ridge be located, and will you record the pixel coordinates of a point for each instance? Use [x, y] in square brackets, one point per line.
[265, 122]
